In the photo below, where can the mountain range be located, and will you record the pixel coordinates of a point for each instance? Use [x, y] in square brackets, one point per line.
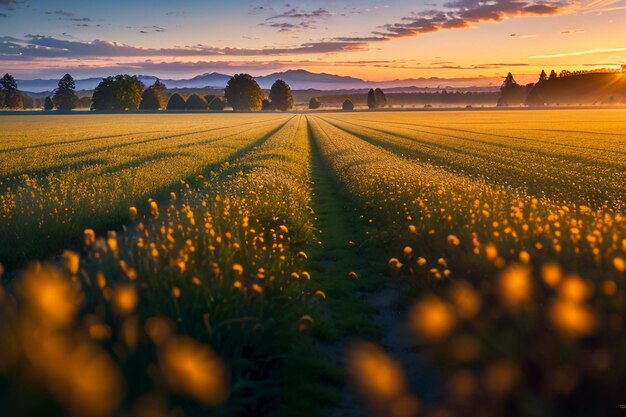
[297, 79]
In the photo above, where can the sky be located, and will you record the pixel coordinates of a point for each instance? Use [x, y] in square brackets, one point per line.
[477, 41]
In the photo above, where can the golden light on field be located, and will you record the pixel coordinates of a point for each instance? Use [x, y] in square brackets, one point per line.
[492, 243]
[192, 369]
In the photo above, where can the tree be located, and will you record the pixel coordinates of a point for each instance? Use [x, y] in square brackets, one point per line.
[195, 102]
[159, 89]
[65, 97]
[347, 105]
[150, 100]
[13, 99]
[154, 97]
[1, 98]
[371, 99]
[118, 93]
[177, 102]
[243, 93]
[266, 105]
[215, 103]
[315, 103]
[543, 76]
[281, 96]
[508, 81]
[553, 75]
[511, 93]
[48, 105]
[381, 99]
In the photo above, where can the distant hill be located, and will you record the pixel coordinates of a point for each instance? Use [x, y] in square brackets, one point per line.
[585, 89]
[297, 79]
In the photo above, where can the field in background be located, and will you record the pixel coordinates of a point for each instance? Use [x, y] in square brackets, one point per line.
[504, 230]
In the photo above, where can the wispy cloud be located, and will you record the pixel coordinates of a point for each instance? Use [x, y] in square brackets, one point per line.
[579, 53]
[38, 46]
[460, 14]
[293, 18]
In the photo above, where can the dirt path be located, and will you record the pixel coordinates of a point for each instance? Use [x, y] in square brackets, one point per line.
[362, 308]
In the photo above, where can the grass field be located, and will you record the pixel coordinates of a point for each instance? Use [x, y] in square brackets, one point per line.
[228, 263]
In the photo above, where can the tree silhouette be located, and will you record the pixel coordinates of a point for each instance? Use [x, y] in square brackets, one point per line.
[159, 89]
[118, 93]
[543, 76]
[281, 96]
[508, 81]
[243, 93]
[153, 98]
[511, 93]
[150, 100]
[381, 99]
[195, 102]
[215, 103]
[371, 99]
[13, 99]
[176, 102]
[266, 105]
[314, 103]
[553, 75]
[347, 105]
[65, 97]
[48, 104]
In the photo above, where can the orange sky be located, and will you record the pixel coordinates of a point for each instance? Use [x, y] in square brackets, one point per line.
[468, 39]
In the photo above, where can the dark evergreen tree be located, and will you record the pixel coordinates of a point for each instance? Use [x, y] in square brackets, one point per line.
[381, 99]
[315, 103]
[48, 104]
[176, 102]
[159, 89]
[371, 99]
[553, 75]
[243, 93]
[13, 99]
[281, 96]
[195, 102]
[65, 97]
[153, 98]
[543, 76]
[118, 93]
[150, 100]
[511, 93]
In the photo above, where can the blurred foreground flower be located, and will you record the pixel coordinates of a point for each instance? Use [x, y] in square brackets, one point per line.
[381, 381]
[193, 369]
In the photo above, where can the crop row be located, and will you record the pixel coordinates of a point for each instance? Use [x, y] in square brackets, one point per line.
[544, 153]
[195, 306]
[518, 301]
[52, 189]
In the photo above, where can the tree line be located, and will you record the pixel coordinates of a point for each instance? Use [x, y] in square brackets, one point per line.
[128, 93]
[567, 87]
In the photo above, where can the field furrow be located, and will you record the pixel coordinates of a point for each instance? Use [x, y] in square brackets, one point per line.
[83, 185]
[562, 171]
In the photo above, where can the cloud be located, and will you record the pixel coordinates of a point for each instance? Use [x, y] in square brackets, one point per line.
[3, 15]
[293, 19]
[579, 53]
[572, 31]
[601, 6]
[178, 13]
[38, 46]
[467, 13]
